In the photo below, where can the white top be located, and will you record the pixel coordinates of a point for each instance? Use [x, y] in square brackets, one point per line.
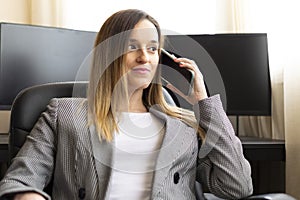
[134, 156]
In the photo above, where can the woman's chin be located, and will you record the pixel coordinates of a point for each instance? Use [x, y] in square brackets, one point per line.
[139, 86]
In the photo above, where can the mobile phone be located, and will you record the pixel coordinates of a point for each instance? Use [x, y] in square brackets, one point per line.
[172, 73]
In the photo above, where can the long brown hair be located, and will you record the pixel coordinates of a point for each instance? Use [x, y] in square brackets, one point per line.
[107, 70]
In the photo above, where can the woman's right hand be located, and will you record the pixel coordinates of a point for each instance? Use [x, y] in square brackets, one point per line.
[29, 196]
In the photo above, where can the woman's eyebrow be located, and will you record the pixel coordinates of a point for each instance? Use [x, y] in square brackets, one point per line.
[132, 40]
[154, 41]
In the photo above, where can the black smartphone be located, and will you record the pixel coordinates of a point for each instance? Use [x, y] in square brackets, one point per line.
[172, 73]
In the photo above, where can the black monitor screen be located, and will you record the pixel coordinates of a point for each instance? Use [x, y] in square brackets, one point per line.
[242, 63]
[32, 55]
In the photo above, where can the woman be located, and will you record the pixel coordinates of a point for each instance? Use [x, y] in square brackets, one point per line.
[125, 141]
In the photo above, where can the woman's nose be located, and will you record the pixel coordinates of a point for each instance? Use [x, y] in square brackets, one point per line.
[143, 56]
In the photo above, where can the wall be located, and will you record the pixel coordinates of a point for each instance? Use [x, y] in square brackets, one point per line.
[292, 128]
[15, 11]
[177, 16]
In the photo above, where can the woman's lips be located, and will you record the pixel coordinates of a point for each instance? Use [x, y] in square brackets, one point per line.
[141, 70]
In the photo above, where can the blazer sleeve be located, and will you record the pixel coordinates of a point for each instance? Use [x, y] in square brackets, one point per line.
[222, 167]
[32, 168]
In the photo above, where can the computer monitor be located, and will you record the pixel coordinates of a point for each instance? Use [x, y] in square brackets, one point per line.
[32, 55]
[235, 66]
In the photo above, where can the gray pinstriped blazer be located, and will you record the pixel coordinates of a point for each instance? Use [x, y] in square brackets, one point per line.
[61, 145]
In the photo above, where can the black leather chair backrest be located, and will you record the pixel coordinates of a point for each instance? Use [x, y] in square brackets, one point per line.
[28, 106]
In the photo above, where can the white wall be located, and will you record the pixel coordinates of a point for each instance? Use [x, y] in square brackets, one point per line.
[15, 11]
[292, 114]
[189, 16]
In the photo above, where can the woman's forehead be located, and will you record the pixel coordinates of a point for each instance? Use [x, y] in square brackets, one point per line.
[144, 31]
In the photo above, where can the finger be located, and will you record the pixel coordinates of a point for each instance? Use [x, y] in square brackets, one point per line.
[190, 64]
[191, 67]
[185, 60]
[187, 65]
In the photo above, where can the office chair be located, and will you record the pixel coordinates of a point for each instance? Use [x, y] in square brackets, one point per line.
[27, 108]
[32, 101]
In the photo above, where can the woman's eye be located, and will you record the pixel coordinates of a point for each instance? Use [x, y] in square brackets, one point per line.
[132, 47]
[152, 49]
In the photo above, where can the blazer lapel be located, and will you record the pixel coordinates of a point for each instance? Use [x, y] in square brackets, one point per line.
[102, 152]
[176, 140]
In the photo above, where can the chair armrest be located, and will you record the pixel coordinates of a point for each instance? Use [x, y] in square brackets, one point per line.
[272, 196]
[269, 196]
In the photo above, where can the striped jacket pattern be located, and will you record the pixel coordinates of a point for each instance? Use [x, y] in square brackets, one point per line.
[62, 147]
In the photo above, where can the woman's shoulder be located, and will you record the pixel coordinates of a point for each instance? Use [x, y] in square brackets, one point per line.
[67, 105]
[68, 101]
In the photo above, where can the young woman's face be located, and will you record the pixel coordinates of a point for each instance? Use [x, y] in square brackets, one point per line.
[142, 57]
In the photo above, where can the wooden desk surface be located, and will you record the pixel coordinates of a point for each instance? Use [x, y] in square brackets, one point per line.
[3, 138]
[255, 140]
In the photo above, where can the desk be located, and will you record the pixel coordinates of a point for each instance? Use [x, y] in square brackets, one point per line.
[267, 160]
[3, 147]
[255, 149]
[260, 149]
